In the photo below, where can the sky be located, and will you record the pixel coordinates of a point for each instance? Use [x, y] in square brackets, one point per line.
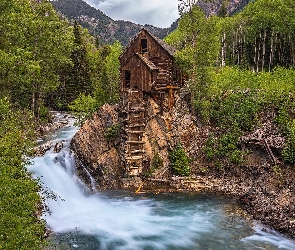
[160, 13]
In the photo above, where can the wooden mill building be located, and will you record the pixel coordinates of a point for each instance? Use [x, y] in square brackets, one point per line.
[147, 70]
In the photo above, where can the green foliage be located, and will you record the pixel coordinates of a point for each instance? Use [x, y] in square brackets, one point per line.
[236, 99]
[258, 45]
[105, 78]
[197, 39]
[78, 81]
[180, 161]
[19, 199]
[224, 149]
[84, 107]
[236, 110]
[31, 32]
[289, 150]
[209, 149]
[156, 163]
[108, 88]
[111, 133]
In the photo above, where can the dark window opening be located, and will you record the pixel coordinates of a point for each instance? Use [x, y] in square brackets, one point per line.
[144, 46]
[127, 78]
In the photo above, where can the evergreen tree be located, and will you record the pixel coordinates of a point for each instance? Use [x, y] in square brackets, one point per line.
[79, 81]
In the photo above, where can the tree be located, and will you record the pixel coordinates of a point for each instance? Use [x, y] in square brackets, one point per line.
[31, 31]
[198, 52]
[105, 77]
[261, 37]
[79, 81]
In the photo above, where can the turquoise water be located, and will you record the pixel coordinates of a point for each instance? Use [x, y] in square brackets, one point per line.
[82, 219]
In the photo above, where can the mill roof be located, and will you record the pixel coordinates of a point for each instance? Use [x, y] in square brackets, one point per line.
[168, 48]
[171, 50]
[145, 60]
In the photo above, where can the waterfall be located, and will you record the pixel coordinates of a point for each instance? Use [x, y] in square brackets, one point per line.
[123, 220]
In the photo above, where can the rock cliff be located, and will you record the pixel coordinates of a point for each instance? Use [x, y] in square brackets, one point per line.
[102, 151]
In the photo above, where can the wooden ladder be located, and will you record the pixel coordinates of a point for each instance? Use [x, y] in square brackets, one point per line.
[134, 130]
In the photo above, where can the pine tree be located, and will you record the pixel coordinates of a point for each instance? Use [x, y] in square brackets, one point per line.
[79, 81]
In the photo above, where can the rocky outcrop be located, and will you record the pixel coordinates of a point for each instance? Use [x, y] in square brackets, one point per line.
[104, 157]
[42, 149]
[98, 154]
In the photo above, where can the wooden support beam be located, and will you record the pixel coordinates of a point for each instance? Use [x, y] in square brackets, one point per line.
[270, 153]
[135, 142]
[137, 151]
[135, 132]
[134, 158]
[161, 103]
[161, 88]
[136, 109]
[135, 125]
[172, 87]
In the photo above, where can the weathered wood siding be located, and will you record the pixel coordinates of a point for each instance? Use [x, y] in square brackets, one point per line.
[140, 74]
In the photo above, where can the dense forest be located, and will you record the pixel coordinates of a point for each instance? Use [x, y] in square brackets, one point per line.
[239, 68]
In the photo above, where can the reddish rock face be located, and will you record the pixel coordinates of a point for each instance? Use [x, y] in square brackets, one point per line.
[95, 153]
[103, 151]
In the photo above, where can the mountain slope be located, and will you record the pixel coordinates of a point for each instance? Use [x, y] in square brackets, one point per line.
[214, 6]
[103, 26]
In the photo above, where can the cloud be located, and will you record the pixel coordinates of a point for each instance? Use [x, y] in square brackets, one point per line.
[160, 13]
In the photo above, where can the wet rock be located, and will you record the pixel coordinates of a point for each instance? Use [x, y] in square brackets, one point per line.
[95, 152]
[58, 147]
[42, 149]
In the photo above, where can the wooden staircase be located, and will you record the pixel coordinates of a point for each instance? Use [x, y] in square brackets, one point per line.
[164, 79]
[135, 124]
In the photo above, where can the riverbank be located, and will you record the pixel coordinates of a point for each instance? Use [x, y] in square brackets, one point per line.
[266, 193]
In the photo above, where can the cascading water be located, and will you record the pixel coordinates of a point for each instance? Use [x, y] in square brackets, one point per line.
[81, 219]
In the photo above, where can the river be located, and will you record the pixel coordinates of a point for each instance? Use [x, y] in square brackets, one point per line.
[84, 219]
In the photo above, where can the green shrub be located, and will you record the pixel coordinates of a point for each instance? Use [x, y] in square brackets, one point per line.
[84, 106]
[236, 110]
[289, 150]
[111, 132]
[180, 161]
[224, 147]
[209, 149]
[156, 163]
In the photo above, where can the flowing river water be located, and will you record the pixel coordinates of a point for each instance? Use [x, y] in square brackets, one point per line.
[85, 219]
